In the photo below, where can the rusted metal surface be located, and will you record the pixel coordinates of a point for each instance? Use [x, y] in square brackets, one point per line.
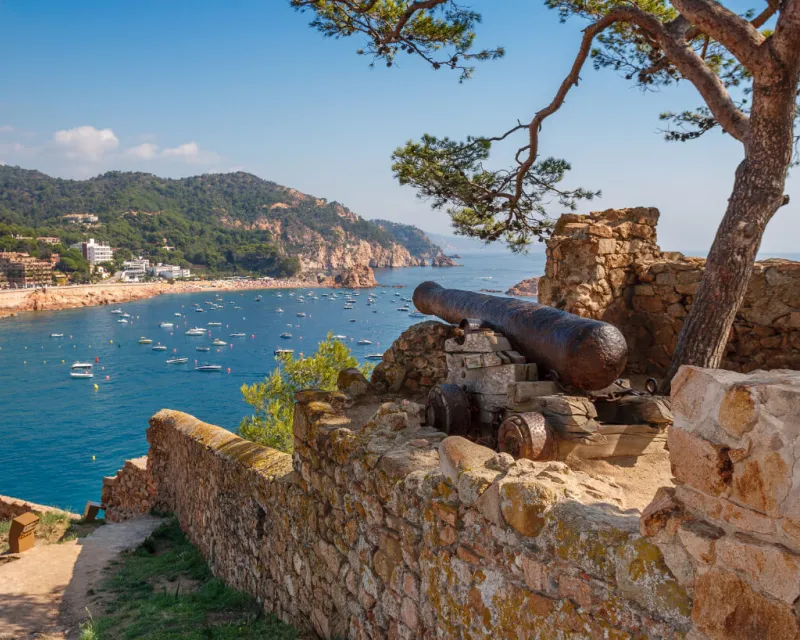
[584, 354]
[448, 410]
[526, 435]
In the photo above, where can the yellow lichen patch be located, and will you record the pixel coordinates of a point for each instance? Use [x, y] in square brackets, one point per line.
[524, 504]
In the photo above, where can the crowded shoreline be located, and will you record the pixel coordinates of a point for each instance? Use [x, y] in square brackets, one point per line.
[15, 301]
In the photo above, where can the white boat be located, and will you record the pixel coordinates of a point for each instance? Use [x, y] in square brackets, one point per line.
[81, 370]
[280, 352]
[214, 324]
[117, 311]
[278, 310]
[416, 314]
[374, 356]
[144, 340]
[202, 348]
[339, 337]
[200, 310]
[301, 314]
[209, 367]
[159, 347]
[196, 331]
[122, 321]
[219, 343]
[177, 360]
[402, 308]
[126, 315]
[257, 299]
[166, 325]
[177, 315]
[286, 335]
[238, 335]
[56, 335]
[363, 341]
[348, 307]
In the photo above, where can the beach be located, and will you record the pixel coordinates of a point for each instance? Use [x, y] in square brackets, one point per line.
[14, 301]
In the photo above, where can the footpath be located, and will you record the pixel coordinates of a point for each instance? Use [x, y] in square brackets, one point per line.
[46, 592]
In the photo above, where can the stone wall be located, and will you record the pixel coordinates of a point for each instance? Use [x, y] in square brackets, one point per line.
[415, 362]
[129, 493]
[10, 508]
[380, 527]
[607, 265]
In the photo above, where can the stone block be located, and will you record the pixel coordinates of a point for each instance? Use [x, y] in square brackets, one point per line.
[479, 342]
[457, 455]
[491, 380]
[698, 462]
[524, 504]
[726, 608]
[524, 391]
[768, 568]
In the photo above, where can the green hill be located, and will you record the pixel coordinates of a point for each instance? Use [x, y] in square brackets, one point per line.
[233, 222]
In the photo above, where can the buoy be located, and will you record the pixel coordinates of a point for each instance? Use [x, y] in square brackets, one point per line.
[93, 458]
[96, 359]
[44, 361]
[229, 369]
[108, 377]
[62, 362]
[110, 342]
[253, 337]
[24, 362]
[96, 387]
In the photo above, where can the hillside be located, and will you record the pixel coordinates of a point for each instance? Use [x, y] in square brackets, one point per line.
[417, 243]
[224, 222]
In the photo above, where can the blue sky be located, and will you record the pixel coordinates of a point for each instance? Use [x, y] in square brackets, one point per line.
[179, 88]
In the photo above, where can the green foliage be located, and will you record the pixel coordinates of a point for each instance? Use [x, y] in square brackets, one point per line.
[164, 590]
[273, 400]
[225, 223]
[443, 34]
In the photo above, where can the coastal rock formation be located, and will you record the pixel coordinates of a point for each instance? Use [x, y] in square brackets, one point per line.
[608, 265]
[528, 287]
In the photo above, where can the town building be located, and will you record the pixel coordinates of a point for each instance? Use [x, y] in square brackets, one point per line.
[134, 270]
[169, 271]
[94, 252]
[49, 240]
[81, 218]
[19, 270]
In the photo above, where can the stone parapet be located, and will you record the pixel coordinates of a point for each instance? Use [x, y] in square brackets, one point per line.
[378, 526]
[607, 265]
[129, 493]
[10, 508]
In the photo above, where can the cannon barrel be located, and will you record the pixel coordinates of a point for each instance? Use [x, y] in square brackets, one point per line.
[586, 354]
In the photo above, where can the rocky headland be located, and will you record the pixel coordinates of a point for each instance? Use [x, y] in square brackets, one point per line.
[527, 288]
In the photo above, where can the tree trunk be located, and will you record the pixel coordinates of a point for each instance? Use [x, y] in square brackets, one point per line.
[757, 195]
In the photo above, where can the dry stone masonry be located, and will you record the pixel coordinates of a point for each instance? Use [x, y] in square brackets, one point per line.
[379, 526]
[607, 265]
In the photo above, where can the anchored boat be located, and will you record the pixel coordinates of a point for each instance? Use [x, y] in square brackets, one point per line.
[81, 370]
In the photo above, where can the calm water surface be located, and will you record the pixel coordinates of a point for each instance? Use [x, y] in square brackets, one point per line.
[53, 425]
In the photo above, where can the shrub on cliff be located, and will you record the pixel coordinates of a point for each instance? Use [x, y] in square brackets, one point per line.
[273, 399]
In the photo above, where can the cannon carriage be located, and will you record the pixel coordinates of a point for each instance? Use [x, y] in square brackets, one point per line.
[538, 382]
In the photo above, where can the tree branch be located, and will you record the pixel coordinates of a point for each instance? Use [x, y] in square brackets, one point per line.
[735, 33]
[785, 41]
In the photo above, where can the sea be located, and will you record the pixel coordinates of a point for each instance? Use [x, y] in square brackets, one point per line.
[59, 436]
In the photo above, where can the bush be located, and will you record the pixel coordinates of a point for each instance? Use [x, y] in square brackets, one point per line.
[273, 399]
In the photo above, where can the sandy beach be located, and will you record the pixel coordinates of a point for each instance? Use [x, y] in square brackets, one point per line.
[14, 301]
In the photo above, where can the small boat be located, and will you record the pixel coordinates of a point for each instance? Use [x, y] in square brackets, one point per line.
[286, 335]
[159, 347]
[257, 299]
[117, 311]
[280, 352]
[177, 315]
[237, 335]
[374, 311]
[56, 335]
[166, 325]
[126, 315]
[402, 308]
[374, 356]
[278, 310]
[416, 314]
[122, 321]
[196, 331]
[352, 319]
[214, 324]
[209, 367]
[363, 341]
[200, 310]
[202, 348]
[339, 337]
[81, 370]
[301, 314]
[177, 360]
[219, 343]
[348, 306]
[144, 340]
[278, 295]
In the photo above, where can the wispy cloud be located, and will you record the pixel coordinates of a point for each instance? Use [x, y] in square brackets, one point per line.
[6, 128]
[146, 151]
[190, 153]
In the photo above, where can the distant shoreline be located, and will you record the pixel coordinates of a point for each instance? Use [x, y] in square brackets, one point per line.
[15, 301]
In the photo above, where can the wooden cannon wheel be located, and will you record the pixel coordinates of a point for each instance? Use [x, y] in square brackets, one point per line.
[448, 409]
[526, 435]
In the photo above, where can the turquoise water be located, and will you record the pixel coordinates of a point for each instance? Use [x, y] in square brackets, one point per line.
[53, 425]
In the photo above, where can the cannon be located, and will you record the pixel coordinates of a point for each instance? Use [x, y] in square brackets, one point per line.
[584, 354]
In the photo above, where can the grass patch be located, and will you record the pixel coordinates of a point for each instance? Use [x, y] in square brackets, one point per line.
[164, 590]
[53, 527]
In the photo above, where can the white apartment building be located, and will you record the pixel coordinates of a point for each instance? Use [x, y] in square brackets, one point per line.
[138, 266]
[169, 271]
[94, 252]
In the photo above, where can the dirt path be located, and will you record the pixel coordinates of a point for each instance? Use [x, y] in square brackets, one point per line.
[46, 590]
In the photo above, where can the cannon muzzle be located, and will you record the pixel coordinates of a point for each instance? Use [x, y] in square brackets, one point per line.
[585, 354]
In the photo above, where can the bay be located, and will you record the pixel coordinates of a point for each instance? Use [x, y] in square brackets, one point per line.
[60, 436]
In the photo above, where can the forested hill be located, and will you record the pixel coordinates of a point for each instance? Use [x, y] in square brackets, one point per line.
[221, 221]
